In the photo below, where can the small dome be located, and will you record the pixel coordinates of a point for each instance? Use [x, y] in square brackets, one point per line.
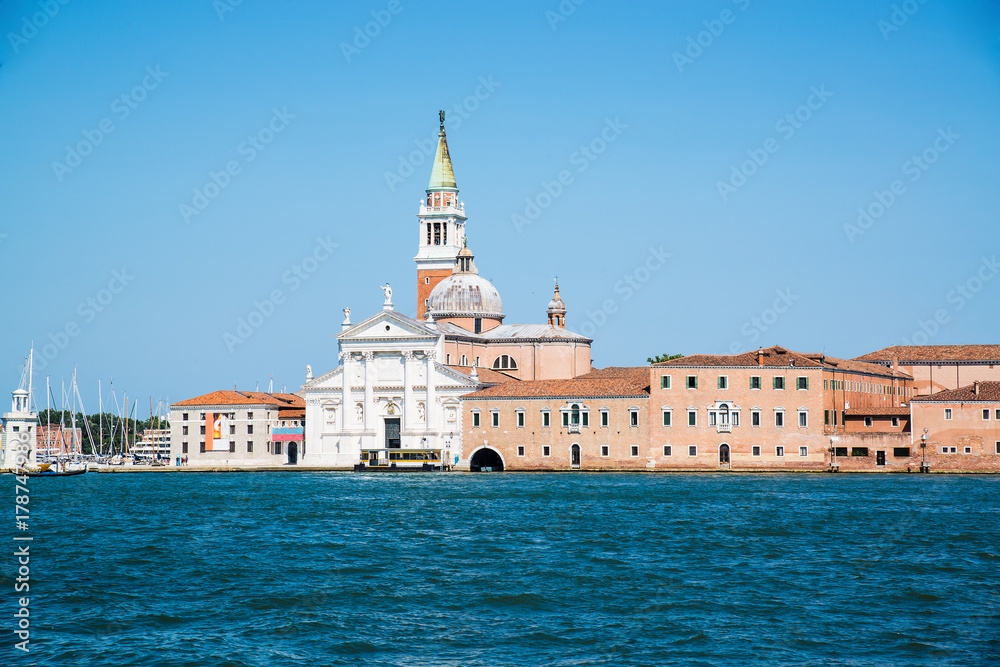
[465, 295]
[557, 305]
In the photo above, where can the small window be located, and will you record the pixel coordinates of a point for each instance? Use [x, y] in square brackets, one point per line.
[901, 452]
[779, 419]
[986, 414]
[826, 417]
[585, 418]
[184, 416]
[947, 413]
[667, 417]
[520, 450]
[427, 281]
[475, 419]
[840, 451]
[755, 450]
[635, 450]
[633, 416]
[967, 450]
[605, 418]
[495, 416]
[520, 420]
[723, 382]
[565, 417]
[755, 417]
[665, 382]
[249, 429]
[249, 415]
[504, 362]
[668, 450]
[202, 429]
[997, 416]
[692, 450]
[859, 451]
[605, 450]
[692, 381]
[755, 382]
[998, 446]
[868, 421]
[184, 447]
[894, 421]
[546, 418]
[779, 451]
[546, 450]
[803, 451]
[802, 382]
[277, 447]
[692, 418]
[463, 360]
[249, 446]
[803, 419]
[184, 430]
[779, 382]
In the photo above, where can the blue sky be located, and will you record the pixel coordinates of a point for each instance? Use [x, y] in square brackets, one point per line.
[739, 138]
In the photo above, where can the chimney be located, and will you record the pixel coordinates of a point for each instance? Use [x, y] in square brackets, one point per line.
[975, 388]
[760, 356]
[895, 363]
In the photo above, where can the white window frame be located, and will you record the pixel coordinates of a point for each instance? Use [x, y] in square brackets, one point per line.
[546, 451]
[803, 450]
[494, 418]
[605, 450]
[755, 450]
[546, 423]
[633, 417]
[722, 383]
[687, 382]
[519, 418]
[605, 417]
[666, 381]
[692, 411]
[477, 418]
[779, 411]
[633, 451]
[755, 412]
[947, 414]
[692, 450]
[803, 417]
[667, 415]
[779, 450]
[520, 450]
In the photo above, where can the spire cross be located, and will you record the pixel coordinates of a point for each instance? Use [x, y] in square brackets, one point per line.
[441, 116]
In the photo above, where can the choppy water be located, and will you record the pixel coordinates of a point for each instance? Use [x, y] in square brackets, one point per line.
[503, 569]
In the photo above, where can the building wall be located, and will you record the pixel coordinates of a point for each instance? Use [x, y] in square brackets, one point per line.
[750, 447]
[427, 280]
[932, 378]
[262, 418]
[535, 360]
[619, 436]
[975, 440]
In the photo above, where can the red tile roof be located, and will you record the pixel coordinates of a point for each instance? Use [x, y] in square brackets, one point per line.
[988, 391]
[934, 353]
[637, 373]
[875, 412]
[229, 397]
[577, 387]
[777, 356]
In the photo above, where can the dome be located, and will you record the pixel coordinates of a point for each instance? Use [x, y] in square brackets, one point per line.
[465, 295]
[557, 305]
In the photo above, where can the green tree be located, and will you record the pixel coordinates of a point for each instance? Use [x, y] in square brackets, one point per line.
[663, 357]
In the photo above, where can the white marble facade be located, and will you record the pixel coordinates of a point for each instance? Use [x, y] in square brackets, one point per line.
[389, 370]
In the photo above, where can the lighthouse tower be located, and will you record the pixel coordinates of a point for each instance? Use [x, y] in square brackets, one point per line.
[441, 225]
[19, 435]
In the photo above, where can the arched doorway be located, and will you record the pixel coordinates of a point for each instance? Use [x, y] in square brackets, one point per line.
[486, 460]
[723, 454]
[574, 455]
[293, 453]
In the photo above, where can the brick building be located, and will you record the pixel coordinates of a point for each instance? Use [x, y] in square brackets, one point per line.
[960, 428]
[940, 367]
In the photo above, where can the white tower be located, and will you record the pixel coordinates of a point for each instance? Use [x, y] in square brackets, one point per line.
[442, 225]
[19, 437]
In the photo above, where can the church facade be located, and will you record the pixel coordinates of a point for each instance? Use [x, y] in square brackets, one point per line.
[394, 399]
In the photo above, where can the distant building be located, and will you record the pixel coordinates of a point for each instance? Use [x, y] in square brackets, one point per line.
[237, 428]
[960, 428]
[939, 367]
[55, 440]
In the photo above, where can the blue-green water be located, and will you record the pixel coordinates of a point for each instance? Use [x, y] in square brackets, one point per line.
[502, 569]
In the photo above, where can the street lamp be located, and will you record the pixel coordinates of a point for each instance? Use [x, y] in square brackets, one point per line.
[923, 451]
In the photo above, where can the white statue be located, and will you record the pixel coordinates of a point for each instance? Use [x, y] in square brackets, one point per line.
[347, 316]
[420, 411]
[361, 412]
[309, 371]
[388, 293]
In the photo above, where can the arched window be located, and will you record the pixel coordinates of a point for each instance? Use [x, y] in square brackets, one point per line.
[575, 417]
[505, 362]
[463, 361]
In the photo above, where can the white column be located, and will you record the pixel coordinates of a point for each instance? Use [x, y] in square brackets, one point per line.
[430, 412]
[347, 417]
[369, 390]
[408, 405]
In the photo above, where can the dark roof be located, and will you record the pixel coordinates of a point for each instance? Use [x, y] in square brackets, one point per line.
[911, 353]
[987, 391]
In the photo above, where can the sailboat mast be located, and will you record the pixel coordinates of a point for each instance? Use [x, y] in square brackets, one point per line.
[100, 419]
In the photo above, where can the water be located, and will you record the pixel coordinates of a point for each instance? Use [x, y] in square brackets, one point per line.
[510, 569]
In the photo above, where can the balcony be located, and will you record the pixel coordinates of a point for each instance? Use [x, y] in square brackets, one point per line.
[725, 428]
[573, 428]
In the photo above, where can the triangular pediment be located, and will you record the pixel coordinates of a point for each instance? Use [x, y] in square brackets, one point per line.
[329, 380]
[387, 325]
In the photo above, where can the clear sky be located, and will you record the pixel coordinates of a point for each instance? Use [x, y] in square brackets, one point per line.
[169, 168]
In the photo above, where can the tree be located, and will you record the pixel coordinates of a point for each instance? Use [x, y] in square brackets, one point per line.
[663, 357]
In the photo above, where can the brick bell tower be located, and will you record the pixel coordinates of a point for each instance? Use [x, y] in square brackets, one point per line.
[441, 225]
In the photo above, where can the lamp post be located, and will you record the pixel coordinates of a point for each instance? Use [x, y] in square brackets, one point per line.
[923, 451]
[834, 464]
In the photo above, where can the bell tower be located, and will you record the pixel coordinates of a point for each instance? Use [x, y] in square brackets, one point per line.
[557, 310]
[441, 220]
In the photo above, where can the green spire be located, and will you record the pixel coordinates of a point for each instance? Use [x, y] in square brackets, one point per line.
[442, 175]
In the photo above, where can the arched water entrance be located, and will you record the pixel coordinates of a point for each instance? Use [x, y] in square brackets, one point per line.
[574, 455]
[724, 454]
[486, 460]
[293, 453]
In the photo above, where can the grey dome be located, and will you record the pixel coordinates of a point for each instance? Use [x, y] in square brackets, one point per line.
[465, 295]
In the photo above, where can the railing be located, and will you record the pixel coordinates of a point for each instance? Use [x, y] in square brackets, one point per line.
[725, 428]
[573, 428]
